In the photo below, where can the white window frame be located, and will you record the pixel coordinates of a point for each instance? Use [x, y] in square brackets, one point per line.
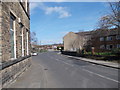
[101, 38]
[118, 45]
[26, 5]
[109, 38]
[14, 30]
[27, 42]
[22, 43]
[108, 48]
[118, 37]
[102, 46]
[14, 39]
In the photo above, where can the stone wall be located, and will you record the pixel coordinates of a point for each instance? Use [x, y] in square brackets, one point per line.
[11, 69]
[0, 33]
[17, 10]
[0, 45]
[12, 72]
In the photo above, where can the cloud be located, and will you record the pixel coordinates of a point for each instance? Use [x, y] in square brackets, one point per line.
[61, 11]
[33, 6]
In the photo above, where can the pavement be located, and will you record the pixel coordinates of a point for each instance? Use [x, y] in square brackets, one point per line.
[99, 62]
[53, 70]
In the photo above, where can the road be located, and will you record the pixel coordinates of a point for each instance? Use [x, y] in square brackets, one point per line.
[53, 70]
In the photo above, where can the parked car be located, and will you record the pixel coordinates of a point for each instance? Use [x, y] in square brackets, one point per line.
[34, 54]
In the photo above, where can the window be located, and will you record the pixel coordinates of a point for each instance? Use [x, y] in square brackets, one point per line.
[26, 5]
[118, 37]
[102, 46]
[101, 38]
[118, 45]
[109, 47]
[21, 0]
[22, 40]
[109, 38]
[12, 36]
[27, 42]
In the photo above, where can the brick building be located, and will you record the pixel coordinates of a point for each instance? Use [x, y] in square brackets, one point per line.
[14, 39]
[101, 40]
[105, 40]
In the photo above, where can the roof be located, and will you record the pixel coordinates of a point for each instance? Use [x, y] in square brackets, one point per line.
[105, 32]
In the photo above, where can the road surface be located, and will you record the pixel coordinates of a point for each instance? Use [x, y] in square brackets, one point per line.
[53, 70]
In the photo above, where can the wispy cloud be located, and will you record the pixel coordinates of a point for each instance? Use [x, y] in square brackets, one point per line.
[61, 11]
[33, 6]
[44, 42]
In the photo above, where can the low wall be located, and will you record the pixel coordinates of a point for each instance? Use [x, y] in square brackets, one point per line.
[99, 57]
[71, 53]
[11, 70]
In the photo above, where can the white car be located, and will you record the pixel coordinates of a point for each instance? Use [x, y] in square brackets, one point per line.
[34, 54]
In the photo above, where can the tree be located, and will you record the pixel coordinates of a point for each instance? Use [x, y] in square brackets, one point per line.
[34, 39]
[111, 20]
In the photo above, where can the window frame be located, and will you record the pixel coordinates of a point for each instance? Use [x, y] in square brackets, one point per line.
[108, 48]
[27, 38]
[22, 39]
[109, 38]
[102, 38]
[118, 37]
[102, 46]
[13, 30]
[118, 45]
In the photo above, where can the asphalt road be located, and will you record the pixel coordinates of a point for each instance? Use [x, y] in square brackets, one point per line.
[53, 70]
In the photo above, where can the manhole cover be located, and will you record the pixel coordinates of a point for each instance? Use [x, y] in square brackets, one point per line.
[45, 69]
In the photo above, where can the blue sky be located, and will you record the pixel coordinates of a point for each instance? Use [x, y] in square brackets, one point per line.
[51, 21]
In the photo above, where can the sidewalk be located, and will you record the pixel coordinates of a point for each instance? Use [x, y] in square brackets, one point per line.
[33, 78]
[99, 62]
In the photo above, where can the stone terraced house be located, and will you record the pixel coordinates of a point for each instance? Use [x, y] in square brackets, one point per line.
[14, 40]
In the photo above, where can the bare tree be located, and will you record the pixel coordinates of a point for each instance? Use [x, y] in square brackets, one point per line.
[112, 19]
[34, 39]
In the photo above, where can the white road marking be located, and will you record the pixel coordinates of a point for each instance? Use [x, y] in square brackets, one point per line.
[64, 62]
[101, 75]
[90, 71]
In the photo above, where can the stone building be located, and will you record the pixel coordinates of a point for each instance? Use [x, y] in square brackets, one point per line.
[69, 41]
[14, 39]
[100, 40]
[76, 41]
